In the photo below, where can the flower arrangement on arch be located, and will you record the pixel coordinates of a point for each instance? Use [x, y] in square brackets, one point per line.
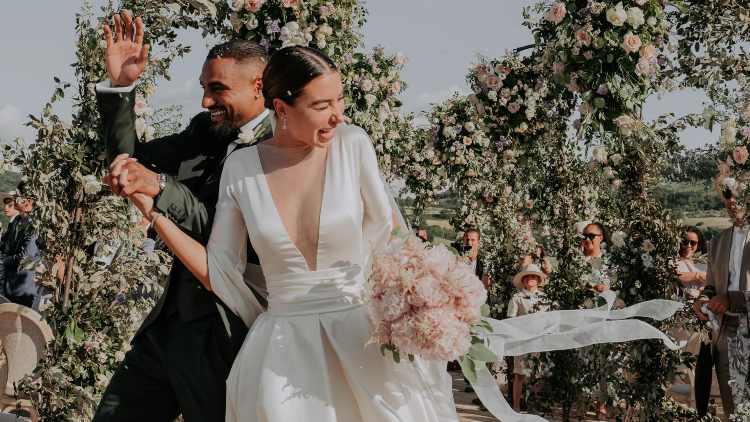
[606, 51]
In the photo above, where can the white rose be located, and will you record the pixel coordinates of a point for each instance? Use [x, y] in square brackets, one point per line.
[609, 173]
[492, 95]
[470, 127]
[616, 159]
[635, 17]
[370, 99]
[648, 246]
[618, 239]
[91, 185]
[236, 5]
[617, 15]
[599, 154]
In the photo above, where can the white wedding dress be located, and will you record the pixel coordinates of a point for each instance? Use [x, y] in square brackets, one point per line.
[307, 357]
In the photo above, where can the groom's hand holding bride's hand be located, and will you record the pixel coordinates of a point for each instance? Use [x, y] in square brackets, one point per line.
[127, 176]
[126, 55]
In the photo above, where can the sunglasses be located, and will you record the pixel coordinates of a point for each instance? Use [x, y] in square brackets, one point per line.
[689, 243]
[590, 236]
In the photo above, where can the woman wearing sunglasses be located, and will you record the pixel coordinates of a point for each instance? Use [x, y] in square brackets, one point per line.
[692, 275]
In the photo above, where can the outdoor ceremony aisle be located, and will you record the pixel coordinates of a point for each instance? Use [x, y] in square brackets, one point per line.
[470, 412]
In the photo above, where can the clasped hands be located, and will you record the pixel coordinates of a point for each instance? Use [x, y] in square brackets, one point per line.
[131, 179]
[718, 304]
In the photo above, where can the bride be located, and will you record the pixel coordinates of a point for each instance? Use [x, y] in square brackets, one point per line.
[312, 200]
[315, 208]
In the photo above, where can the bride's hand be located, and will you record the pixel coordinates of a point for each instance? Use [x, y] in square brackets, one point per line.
[144, 203]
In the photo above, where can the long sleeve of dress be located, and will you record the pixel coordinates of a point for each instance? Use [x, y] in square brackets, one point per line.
[377, 220]
[227, 255]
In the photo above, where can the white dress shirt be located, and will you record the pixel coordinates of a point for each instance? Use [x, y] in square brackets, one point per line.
[739, 238]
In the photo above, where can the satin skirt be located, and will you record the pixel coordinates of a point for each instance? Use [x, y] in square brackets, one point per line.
[308, 359]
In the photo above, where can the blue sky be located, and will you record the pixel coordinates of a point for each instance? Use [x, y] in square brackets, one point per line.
[440, 37]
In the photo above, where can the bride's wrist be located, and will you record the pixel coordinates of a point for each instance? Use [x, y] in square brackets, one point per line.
[153, 216]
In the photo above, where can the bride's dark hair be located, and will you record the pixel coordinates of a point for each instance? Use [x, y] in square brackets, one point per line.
[290, 70]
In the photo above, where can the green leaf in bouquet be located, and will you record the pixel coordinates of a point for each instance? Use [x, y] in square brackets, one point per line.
[383, 348]
[480, 352]
[468, 368]
[485, 310]
[396, 356]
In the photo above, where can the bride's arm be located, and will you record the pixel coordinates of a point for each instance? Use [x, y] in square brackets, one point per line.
[191, 253]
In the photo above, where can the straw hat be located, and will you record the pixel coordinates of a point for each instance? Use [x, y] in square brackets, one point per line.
[531, 269]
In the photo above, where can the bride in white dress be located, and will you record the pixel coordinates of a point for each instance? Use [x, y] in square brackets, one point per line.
[315, 208]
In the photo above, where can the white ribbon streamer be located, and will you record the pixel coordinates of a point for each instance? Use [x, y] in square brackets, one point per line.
[565, 330]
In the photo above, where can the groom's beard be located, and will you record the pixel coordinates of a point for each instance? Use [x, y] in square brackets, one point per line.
[218, 138]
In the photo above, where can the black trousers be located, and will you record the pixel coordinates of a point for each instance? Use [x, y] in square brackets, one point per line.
[703, 378]
[173, 368]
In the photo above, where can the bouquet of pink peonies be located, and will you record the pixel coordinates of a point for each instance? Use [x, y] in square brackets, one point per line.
[425, 301]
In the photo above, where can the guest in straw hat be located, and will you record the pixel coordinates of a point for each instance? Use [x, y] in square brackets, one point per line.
[529, 298]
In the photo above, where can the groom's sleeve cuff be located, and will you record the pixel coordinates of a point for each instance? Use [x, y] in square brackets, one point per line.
[105, 87]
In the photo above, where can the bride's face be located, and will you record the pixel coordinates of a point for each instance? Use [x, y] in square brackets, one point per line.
[317, 111]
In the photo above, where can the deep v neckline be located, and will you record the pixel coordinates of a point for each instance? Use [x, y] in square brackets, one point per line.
[267, 191]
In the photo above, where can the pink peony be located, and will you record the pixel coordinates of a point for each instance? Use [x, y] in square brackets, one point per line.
[290, 3]
[556, 13]
[392, 305]
[644, 67]
[439, 260]
[631, 43]
[558, 68]
[432, 333]
[427, 291]
[740, 155]
[514, 107]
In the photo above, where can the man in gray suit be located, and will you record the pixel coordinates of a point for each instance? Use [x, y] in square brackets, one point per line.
[726, 284]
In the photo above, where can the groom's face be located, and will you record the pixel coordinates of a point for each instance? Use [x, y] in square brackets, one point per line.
[231, 91]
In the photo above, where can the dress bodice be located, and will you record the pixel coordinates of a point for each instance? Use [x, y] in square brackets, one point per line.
[355, 216]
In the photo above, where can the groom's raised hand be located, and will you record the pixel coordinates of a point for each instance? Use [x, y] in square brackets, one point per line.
[126, 55]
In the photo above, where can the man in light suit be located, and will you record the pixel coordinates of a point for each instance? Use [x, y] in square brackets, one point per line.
[726, 284]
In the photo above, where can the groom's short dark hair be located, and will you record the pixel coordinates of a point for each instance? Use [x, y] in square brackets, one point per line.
[240, 50]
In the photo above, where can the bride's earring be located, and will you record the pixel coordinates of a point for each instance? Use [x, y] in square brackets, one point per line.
[283, 122]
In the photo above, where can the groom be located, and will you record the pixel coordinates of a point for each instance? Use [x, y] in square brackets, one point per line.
[183, 352]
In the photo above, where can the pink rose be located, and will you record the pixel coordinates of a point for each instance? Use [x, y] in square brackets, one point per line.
[740, 155]
[631, 43]
[395, 87]
[648, 52]
[493, 82]
[290, 3]
[253, 5]
[583, 37]
[558, 68]
[556, 13]
[588, 55]
[746, 132]
[644, 67]
[514, 107]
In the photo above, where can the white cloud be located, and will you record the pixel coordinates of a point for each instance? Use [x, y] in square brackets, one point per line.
[422, 101]
[12, 124]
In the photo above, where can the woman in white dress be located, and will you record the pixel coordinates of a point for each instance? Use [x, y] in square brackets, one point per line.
[312, 200]
[315, 208]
